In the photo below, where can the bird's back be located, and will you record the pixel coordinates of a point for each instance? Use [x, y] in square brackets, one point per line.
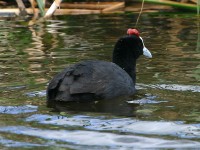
[90, 80]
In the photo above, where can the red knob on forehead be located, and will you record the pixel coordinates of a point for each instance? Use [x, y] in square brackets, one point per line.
[133, 32]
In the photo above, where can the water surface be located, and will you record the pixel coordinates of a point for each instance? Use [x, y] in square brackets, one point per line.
[164, 114]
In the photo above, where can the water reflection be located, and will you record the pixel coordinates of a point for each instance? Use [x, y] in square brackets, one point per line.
[17, 109]
[15, 144]
[117, 107]
[125, 106]
[49, 47]
[163, 114]
[177, 46]
[96, 140]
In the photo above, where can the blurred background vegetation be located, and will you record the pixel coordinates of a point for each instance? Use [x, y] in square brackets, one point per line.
[129, 5]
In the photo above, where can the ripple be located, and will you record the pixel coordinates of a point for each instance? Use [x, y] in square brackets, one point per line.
[12, 143]
[177, 129]
[140, 86]
[36, 93]
[173, 87]
[149, 99]
[17, 109]
[93, 138]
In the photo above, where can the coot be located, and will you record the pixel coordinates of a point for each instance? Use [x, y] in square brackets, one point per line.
[96, 79]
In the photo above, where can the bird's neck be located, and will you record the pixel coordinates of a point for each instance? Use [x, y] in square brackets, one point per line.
[124, 55]
[126, 63]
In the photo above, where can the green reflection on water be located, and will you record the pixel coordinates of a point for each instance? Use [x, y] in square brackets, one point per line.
[30, 56]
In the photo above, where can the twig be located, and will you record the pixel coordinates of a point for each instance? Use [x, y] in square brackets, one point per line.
[52, 9]
[139, 14]
[22, 7]
[198, 7]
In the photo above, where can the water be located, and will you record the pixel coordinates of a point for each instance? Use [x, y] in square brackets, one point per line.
[164, 114]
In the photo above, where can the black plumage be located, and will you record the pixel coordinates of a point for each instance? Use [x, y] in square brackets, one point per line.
[95, 79]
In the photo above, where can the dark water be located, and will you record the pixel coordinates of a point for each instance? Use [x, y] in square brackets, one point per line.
[164, 114]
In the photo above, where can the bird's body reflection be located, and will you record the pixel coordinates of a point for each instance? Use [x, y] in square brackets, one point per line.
[119, 107]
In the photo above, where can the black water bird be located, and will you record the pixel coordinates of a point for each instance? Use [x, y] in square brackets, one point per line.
[95, 79]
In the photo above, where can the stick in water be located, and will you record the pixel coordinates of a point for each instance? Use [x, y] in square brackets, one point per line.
[139, 14]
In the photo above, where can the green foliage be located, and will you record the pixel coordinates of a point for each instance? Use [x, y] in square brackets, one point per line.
[41, 7]
[173, 4]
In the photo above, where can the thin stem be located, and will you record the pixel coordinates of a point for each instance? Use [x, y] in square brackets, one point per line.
[139, 14]
[198, 34]
[198, 26]
[198, 7]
